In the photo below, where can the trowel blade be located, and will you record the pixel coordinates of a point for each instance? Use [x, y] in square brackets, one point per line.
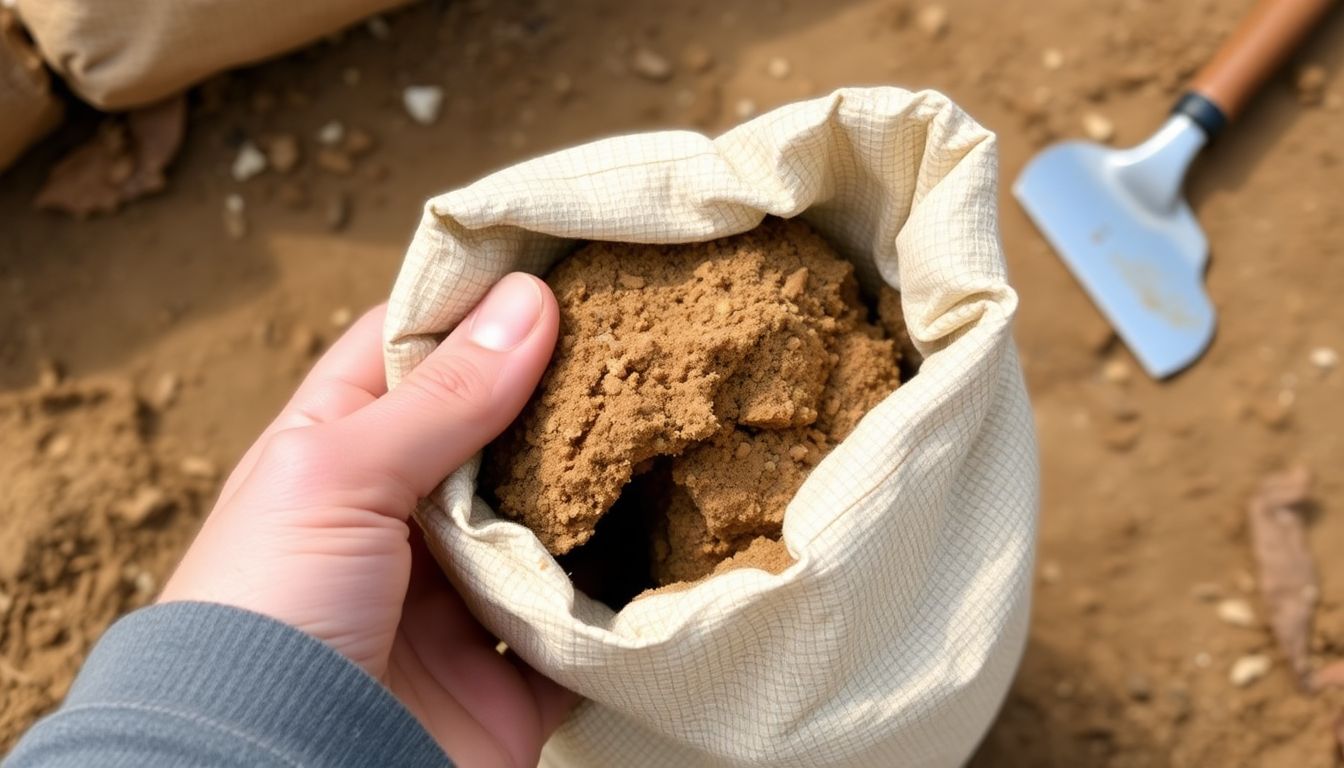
[1143, 269]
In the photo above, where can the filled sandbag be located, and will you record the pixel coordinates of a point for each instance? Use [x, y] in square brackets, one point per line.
[118, 54]
[894, 635]
[27, 108]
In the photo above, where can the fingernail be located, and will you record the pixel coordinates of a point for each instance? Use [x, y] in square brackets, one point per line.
[507, 314]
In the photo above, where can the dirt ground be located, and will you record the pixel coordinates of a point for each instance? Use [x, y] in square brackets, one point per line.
[141, 352]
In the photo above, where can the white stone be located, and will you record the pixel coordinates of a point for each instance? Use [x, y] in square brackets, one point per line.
[341, 317]
[1116, 371]
[1324, 358]
[423, 103]
[249, 162]
[1236, 612]
[331, 134]
[1098, 127]
[650, 65]
[1248, 669]
[778, 68]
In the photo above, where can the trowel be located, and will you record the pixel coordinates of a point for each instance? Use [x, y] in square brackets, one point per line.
[1117, 216]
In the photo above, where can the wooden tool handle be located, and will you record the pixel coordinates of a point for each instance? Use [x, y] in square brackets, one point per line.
[1256, 48]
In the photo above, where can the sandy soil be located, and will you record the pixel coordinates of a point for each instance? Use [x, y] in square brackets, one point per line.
[1145, 484]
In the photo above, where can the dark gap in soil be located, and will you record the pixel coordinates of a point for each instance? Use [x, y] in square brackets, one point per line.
[616, 564]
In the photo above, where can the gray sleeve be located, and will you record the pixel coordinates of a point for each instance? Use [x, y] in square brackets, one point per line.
[194, 684]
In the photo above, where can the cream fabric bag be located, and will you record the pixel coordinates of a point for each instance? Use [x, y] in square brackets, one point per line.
[893, 638]
[118, 54]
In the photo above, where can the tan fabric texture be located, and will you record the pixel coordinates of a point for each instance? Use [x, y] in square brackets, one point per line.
[119, 54]
[893, 638]
[27, 108]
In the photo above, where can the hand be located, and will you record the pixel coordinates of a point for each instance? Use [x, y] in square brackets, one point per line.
[311, 528]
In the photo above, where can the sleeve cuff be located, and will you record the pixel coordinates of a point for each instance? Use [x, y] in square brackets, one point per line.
[212, 681]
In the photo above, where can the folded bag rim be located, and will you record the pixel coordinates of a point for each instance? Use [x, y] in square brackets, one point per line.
[896, 633]
[750, 584]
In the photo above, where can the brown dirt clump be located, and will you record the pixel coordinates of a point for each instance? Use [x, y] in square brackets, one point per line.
[745, 359]
[90, 525]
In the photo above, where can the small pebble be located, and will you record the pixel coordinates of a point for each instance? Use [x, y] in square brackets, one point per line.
[147, 501]
[358, 142]
[235, 217]
[778, 68]
[1052, 59]
[1249, 668]
[49, 374]
[1098, 127]
[249, 162]
[697, 58]
[283, 152]
[798, 452]
[199, 467]
[1324, 358]
[341, 317]
[304, 341]
[743, 450]
[650, 65]
[744, 108]
[1116, 371]
[165, 390]
[932, 20]
[423, 103]
[145, 584]
[1237, 612]
[58, 447]
[331, 134]
[1310, 84]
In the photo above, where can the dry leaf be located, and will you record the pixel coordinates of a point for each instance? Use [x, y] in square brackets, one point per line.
[1287, 574]
[124, 161]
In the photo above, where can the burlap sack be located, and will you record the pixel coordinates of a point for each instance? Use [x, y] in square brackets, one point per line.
[892, 639]
[27, 108]
[118, 54]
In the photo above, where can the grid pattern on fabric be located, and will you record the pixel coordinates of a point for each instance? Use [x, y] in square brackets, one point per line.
[892, 639]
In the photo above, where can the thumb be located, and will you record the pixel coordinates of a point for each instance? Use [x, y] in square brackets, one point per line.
[464, 394]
